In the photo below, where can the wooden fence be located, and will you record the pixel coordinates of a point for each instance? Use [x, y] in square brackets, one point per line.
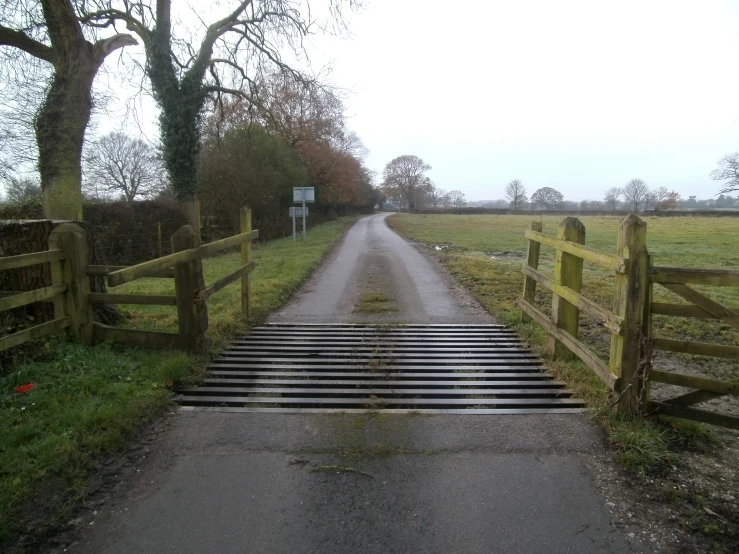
[70, 290]
[628, 371]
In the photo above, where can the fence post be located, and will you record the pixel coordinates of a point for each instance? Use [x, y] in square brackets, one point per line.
[159, 238]
[629, 302]
[245, 259]
[532, 260]
[75, 303]
[568, 273]
[192, 316]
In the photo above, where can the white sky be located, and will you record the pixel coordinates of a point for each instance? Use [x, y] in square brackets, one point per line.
[580, 95]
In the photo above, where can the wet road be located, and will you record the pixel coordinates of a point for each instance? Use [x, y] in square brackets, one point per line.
[252, 482]
[374, 259]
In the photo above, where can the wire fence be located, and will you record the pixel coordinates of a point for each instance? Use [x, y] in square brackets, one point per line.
[113, 247]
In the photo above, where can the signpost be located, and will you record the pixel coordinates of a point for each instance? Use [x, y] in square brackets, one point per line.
[298, 212]
[302, 194]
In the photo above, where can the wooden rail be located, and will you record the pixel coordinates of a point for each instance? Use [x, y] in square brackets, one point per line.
[684, 310]
[704, 416]
[613, 322]
[577, 347]
[686, 275]
[144, 269]
[36, 332]
[695, 382]
[24, 260]
[697, 348]
[141, 299]
[25, 298]
[603, 259]
[148, 339]
[224, 281]
[104, 270]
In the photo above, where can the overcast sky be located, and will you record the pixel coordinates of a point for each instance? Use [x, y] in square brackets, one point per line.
[579, 95]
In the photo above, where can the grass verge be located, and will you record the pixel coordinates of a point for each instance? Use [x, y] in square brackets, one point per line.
[88, 400]
[484, 254]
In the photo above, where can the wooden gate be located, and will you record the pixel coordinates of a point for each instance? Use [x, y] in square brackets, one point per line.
[677, 280]
[628, 371]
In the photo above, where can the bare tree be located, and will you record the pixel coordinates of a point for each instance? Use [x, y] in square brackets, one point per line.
[635, 193]
[6, 163]
[664, 199]
[436, 195]
[547, 197]
[228, 57]
[515, 193]
[611, 197]
[120, 164]
[457, 199]
[21, 188]
[50, 31]
[406, 174]
[727, 171]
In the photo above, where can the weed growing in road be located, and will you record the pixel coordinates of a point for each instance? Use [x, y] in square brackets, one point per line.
[375, 303]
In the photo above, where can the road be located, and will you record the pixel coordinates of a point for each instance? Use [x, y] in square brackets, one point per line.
[374, 259]
[251, 482]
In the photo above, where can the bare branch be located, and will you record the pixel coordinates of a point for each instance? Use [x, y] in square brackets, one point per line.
[20, 40]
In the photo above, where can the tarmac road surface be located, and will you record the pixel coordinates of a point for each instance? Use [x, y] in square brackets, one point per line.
[325, 483]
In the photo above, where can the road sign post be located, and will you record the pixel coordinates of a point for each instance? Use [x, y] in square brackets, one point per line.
[298, 212]
[303, 195]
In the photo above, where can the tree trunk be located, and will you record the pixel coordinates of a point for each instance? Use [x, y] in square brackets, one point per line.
[60, 132]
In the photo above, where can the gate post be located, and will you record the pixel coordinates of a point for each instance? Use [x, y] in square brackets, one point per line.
[75, 303]
[630, 303]
[192, 316]
[532, 260]
[568, 273]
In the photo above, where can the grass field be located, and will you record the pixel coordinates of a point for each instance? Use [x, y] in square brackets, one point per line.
[485, 252]
[89, 400]
[280, 267]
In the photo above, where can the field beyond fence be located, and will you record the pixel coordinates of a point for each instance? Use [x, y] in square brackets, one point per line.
[486, 253]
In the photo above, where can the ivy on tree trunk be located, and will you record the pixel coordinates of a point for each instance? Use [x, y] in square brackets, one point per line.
[65, 113]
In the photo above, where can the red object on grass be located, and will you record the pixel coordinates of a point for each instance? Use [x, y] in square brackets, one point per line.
[25, 388]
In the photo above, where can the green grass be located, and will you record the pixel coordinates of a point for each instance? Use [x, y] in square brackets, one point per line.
[375, 303]
[485, 252]
[281, 267]
[89, 400]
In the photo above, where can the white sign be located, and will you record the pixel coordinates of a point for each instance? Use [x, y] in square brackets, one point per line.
[298, 212]
[304, 194]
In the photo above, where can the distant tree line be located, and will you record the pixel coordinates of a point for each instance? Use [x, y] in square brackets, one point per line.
[634, 196]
